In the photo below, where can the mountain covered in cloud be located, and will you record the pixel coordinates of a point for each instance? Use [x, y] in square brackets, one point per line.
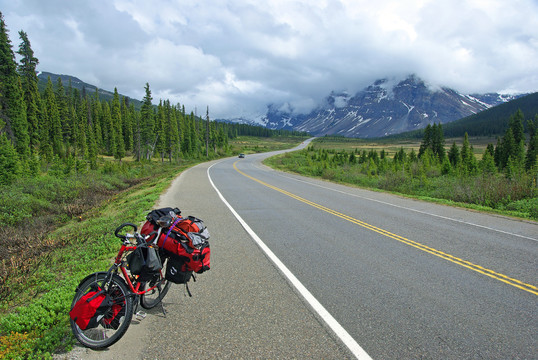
[385, 107]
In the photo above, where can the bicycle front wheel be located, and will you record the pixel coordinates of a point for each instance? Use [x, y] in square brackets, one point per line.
[153, 297]
[114, 323]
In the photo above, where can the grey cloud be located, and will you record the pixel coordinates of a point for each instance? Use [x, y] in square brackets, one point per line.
[238, 56]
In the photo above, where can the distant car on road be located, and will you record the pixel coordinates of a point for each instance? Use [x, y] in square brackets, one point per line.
[241, 156]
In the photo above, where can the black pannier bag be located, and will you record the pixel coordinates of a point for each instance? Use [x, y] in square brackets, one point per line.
[175, 270]
[144, 261]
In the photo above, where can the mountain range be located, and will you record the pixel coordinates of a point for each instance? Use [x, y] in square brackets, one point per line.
[384, 108]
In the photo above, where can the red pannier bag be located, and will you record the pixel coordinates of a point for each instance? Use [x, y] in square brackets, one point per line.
[113, 317]
[185, 237]
[91, 308]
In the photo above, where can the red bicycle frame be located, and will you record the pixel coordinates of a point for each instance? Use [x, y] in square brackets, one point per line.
[118, 262]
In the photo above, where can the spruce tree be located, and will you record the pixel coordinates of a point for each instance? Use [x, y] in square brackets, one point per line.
[438, 141]
[52, 127]
[466, 155]
[117, 126]
[531, 159]
[63, 111]
[127, 121]
[508, 148]
[9, 162]
[454, 155]
[193, 135]
[426, 140]
[12, 106]
[172, 131]
[108, 131]
[161, 133]
[97, 123]
[81, 131]
[487, 164]
[207, 133]
[27, 71]
[90, 134]
[516, 124]
[147, 125]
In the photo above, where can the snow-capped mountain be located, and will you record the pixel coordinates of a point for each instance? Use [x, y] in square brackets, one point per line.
[386, 107]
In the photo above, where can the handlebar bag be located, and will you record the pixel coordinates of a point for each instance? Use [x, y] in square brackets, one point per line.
[91, 308]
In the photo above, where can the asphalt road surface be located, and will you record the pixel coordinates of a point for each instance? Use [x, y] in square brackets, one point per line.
[306, 269]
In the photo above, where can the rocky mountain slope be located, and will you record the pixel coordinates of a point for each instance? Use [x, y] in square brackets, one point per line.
[384, 108]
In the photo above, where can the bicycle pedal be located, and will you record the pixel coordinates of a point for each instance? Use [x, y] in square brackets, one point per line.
[140, 315]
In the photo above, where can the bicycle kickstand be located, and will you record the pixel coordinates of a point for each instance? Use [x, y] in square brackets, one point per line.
[162, 306]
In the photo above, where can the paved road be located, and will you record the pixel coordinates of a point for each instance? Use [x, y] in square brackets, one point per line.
[404, 279]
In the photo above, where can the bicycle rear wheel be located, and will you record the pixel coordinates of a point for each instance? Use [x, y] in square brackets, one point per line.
[114, 323]
[152, 298]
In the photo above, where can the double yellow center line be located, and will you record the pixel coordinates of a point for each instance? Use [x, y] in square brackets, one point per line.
[495, 275]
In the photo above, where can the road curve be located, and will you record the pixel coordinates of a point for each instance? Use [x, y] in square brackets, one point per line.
[405, 279]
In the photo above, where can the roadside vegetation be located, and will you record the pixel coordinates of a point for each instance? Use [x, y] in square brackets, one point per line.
[501, 178]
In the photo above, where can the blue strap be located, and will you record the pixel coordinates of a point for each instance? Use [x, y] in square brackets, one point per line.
[170, 230]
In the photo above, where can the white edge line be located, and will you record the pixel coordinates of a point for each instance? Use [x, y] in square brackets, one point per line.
[340, 332]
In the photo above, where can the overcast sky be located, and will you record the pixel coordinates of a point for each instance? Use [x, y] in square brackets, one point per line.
[237, 56]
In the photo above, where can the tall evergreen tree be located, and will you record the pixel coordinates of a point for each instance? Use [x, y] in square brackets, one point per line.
[467, 155]
[194, 141]
[27, 71]
[207, 133]
[97, 121]
[508, 148]
[426, 140]
[147, 125]
[454, 155]
[531, 159]
[12, 106]
[127, 121]
[63, 111]
[161, 132]
[81, 131]
[172, 146]
[91, 134]
[109, 137]
[516, 124]
[52, 127]
[9, 161]
[438, 141]
[117, 126]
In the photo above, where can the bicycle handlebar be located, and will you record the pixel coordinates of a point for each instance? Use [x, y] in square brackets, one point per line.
[117, 232]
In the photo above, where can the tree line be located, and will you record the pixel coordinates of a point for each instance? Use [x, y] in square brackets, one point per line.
[65, 124]
[511, 155]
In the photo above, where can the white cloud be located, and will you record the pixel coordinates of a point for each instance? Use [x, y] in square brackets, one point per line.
[237, 56]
